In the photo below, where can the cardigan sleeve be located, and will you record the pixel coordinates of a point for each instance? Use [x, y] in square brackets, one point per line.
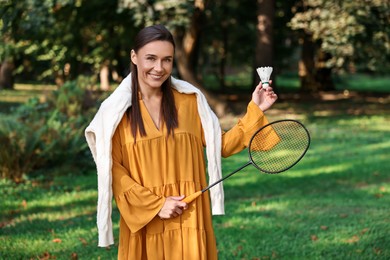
[238, 137]
[138, 205]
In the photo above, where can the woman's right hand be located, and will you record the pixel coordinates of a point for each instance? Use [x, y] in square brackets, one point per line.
[172, 207]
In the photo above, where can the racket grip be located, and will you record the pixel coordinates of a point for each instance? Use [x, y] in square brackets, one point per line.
[192, 197]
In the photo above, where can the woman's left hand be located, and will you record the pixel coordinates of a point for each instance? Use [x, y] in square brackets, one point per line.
[264, 98]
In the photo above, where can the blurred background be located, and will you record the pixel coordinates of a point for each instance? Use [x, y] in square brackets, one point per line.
[60, 58]
[217, 41]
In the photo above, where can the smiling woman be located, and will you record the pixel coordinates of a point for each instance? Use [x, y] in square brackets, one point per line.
[148, 140]
[154, 63]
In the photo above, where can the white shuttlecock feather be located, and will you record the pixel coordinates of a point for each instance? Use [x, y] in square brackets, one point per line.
[264, 74]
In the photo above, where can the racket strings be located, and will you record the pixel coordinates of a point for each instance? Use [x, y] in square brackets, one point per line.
[277, 147]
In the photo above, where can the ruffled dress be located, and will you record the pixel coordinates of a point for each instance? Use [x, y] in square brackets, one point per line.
[144, 173]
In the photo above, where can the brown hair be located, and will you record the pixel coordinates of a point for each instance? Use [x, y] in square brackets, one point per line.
[169, 112]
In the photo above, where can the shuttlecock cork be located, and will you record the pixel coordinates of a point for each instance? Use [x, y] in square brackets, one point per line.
[264, 74]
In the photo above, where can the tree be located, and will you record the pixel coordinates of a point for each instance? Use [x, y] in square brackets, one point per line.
[184, 19]
[340, 35]
[265, 26]
[7, 52]
[62, 40]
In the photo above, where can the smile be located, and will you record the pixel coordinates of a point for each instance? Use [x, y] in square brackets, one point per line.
[156, 76]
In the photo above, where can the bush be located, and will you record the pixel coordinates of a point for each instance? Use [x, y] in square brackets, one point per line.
[40, 136]
[23, 148]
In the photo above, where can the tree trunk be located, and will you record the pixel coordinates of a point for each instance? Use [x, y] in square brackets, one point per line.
[6, 74]
[222, 63]
[186, 40]
[314, 75]
[264, 44]
[104, 76]
[306, 66]
[324, 74]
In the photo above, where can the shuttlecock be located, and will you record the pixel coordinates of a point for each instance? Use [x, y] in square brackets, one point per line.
[264, 74]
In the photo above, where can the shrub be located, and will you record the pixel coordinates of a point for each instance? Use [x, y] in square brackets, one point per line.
[40, 136]
[23, 148]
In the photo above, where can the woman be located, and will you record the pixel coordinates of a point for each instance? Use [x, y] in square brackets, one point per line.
[148, 142]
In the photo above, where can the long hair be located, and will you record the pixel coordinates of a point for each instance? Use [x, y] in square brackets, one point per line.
[169, 112]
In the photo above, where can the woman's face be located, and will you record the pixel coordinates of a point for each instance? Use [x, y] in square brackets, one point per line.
[154, 63]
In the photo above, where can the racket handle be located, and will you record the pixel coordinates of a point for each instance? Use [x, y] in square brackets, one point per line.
[192, 197]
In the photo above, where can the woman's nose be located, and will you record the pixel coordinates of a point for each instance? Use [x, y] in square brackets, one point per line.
[158, 66]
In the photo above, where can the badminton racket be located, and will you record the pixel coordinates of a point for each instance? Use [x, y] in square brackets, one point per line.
[274, 148]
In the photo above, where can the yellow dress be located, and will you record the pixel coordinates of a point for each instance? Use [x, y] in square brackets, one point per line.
[155, 167]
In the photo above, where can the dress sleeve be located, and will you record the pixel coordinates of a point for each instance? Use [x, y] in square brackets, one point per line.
[238, 137]
[137, 205]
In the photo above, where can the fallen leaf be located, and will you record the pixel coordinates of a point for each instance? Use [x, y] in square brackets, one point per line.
[83, 241]
[353, 239]
[324, 227]
[74, 256]
[343, 215]
[57, 240]
[5, 223]
[364, 231]
[24, 204]
[377, 250]
[314, 238]
[45, 256]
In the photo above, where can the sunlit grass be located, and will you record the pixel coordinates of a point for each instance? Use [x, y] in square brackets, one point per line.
[351, 82]
[331, 205]
[35, 87]
[56, 219]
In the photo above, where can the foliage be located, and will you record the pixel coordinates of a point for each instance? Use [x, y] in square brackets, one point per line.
[171, 13]
[24, 148]
[52, 39]
[43, 135]
[64, 38]
[227, 24]
[354, 33]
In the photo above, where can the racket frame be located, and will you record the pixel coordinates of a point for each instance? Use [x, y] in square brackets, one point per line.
[192, 197]
[270, 124]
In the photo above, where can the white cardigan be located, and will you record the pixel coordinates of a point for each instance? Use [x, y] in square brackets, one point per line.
[101, 130]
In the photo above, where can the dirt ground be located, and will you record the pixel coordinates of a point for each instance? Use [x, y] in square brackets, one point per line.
[322, 104]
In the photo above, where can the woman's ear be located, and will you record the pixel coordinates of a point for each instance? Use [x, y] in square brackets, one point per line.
[133, 57]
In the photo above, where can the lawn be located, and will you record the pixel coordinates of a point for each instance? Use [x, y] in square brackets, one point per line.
[334, 204]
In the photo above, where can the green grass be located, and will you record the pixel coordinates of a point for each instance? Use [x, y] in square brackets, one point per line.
[21, 93]
[53, 219]
[361, 82]
[351, 82]
[334, 204]
[290, 82]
